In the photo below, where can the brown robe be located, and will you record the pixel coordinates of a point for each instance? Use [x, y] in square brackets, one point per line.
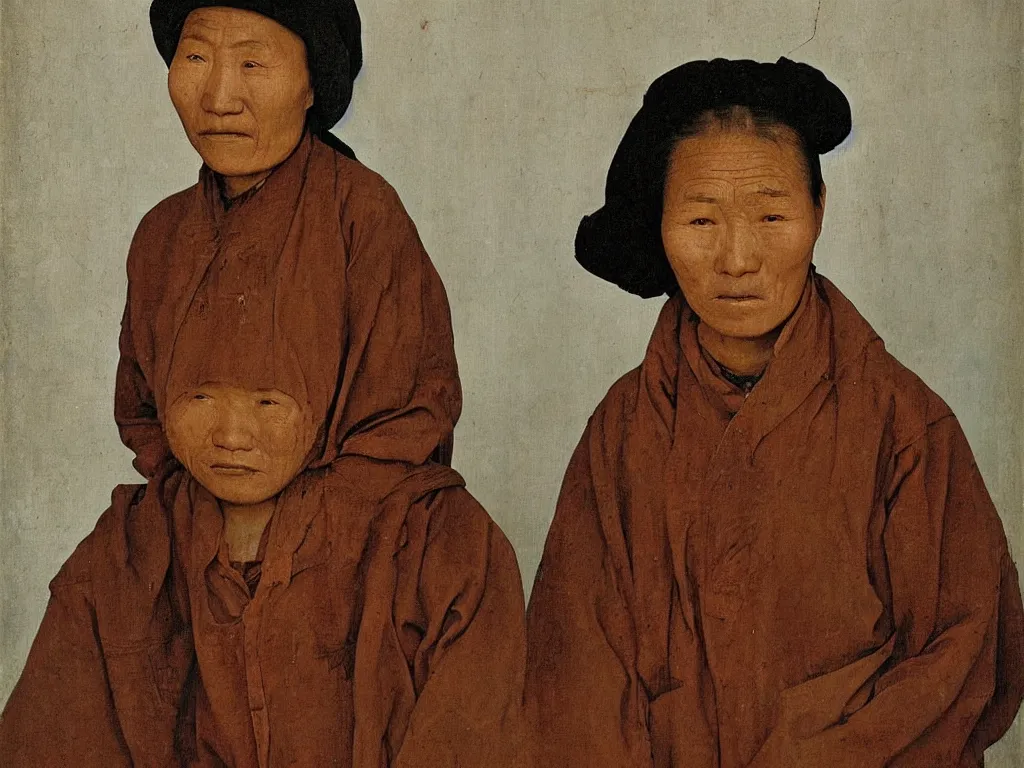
[811, 576]
[387, 626]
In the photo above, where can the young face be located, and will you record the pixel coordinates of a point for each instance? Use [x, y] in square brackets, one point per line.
[243, 446]
[739, 226]
[240, 84]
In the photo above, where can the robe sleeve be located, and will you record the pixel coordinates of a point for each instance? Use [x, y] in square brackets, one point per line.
[459, 611]
[583, 701]
[135, 407]
[61, 712]
[954, 678]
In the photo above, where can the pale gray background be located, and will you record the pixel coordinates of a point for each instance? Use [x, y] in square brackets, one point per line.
[495, 120]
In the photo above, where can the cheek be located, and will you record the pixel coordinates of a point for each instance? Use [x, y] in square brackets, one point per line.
[283, 442]
[279, 442]
[285, 107]
[183, 89]
[691, 256]
[790, 249]
[185, 434]
[285, 455]
[300, 100]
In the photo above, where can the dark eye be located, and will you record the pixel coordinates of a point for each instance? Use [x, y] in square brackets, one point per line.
[200, 396]
[267, 401]
[772, 217]
[702, 222]
[251, 64]
[195, 58]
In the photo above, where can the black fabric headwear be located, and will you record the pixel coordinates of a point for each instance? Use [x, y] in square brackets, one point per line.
[329, 28]
[621, 242]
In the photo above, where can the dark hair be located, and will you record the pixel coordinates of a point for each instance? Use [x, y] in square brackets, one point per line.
[621, 242]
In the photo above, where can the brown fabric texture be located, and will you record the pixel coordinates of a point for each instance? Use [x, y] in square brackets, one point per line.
[811, 576]
[387, 626]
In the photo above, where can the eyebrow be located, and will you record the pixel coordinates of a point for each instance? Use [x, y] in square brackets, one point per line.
[769, 192]
[195, 35]
[249, 44]
[762, 191]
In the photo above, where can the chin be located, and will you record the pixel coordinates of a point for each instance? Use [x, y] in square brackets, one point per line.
[234, 157]
[232, 164]
[741, 328]
[240, 493]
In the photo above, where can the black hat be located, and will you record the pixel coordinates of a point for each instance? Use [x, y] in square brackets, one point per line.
[621, 242]
[329, 28]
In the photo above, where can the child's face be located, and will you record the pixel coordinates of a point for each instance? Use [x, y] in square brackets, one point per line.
[244, 446]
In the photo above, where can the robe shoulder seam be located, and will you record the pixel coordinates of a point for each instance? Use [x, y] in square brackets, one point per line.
[924, 433]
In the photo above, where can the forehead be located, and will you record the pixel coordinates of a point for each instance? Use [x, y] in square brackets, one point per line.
[736, 157]
[230, 24]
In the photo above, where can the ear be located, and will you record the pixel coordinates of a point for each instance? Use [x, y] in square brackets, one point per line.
[309, 97]
[819, 210]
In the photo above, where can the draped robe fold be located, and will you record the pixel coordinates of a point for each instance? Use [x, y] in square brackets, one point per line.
[813, 575]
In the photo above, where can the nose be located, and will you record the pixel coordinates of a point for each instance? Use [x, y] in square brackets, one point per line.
[222, 91]
[232, 431]
[738, 255]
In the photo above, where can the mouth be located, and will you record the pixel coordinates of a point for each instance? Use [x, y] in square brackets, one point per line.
[232, 470]
[223, 135]
[738, 298]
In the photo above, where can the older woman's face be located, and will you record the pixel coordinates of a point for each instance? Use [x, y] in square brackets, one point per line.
[241, 86]
[243, 446]
[739, 226]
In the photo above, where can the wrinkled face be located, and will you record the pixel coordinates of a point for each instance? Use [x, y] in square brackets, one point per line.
[240, 84]
[739, 226]
[243, 446]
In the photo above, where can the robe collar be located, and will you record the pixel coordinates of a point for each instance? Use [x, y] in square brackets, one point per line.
[278, 192]
[802, 359]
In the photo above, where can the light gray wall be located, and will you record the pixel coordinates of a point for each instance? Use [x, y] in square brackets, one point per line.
[496, 121]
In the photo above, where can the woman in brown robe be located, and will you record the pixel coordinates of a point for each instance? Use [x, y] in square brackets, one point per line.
[298, 583]
[773, 547]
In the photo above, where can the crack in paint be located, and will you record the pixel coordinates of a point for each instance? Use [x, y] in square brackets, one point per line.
[817, 13]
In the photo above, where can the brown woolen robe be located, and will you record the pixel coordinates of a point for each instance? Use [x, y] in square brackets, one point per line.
[387, 628]
[815, 576]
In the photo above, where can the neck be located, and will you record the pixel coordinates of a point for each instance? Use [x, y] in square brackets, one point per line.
[239, 185]
[744, 357]
[243, 527]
